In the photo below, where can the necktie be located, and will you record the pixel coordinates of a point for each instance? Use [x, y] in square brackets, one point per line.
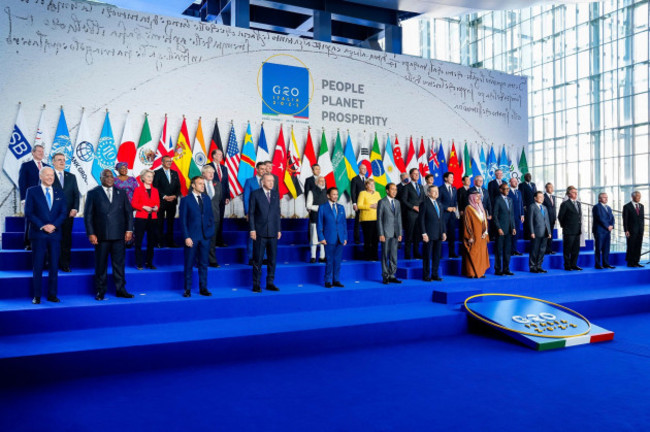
[435, 204]
[268, 196]
[49, 198]
[169, 178]
[40, 165]
[210, 189]
[219, 171]
[449, 189]
[109, 194]
[334, 209]
[200, 201]
[542, 210]
[637, 209]
[392, 204]
[507, 203]
[61, 178]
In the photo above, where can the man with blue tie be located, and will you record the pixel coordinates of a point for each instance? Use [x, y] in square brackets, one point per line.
[252, 184]
[333, 233]
[527, 189]
[540, 232]
[197, 226]
[433, 234]
[389, 228]
[504, 224]
[67, 182]
[448, 202]
[28, 176]
[412, 197]
[518, 205]
[45, 211]
[602, 227]
[265, 230]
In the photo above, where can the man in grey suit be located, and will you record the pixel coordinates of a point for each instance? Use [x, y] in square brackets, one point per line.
[389, 227]
[213, 190]
[540, 232]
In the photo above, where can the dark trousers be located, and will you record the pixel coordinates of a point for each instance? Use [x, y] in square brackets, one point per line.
[411, 235]
[370, 240]
[198, 252]
[116, 249]
[601, 246]
[333, 256]
[571, 249]
[502, 252]
[261, 245]
[526, 225]
[219, 229]
[41, 249]
[450, 229]
[26, 240]
[549, 242]
[514, 238]
[166, 216]
[66, 242]
[212, 255]
[149, 227]
[357, 237]
[431, 258]
[633, 251]
[537, 252]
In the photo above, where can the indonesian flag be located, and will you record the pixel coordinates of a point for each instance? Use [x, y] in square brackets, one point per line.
[411, 160]
[326, 168]
[280, 163]
[397, 157]
[308, 159]
[422, 160]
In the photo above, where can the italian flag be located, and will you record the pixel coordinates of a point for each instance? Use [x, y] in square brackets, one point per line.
[326, 168]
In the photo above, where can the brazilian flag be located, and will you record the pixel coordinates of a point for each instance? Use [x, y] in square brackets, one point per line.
[378, 173]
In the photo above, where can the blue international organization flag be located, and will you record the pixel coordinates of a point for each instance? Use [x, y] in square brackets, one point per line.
[492, 166]
[106, 152]
[483, 163]
[19, 150]
[285, 90]
[442, 166]
[504, 164]
[62, 142]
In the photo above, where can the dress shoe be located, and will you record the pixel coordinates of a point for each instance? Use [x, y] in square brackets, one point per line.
[598, 268]
[36, 300]
[498, 274]
[417, 256]
[408, 257]
[151, 267]
[99, 297]
[321, 260]
[265, 262]
[205, 293]
[221, 244]
[124, 294]
[187, 294]
[610, 266]
[508, 273]
[272, 287]
[541, 271]
[577, 268]
[338, 284]
[534, 271]
[394, 280]
[257, 289]
[483, 277]
[139, 268]
[568, 269]
[552, 253]
[159, 245]
[517, 253]
[437, 279]
[28, 248]
[454, 256]
[426, 279]
[174, 245]
[214, 265]
[65, 269]
[384, 281]
[328, 285]
[54, 299]
[250, 262]
[312, 261]
[639, 265]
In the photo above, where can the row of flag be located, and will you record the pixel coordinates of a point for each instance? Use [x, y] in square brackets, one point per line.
[86, 160]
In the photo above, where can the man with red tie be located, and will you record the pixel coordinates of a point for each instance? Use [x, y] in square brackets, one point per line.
[221, 174]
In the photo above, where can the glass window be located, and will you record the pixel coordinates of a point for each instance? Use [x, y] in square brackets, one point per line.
[640, 47]
[582, 10]
[583, 36]
[641, 141]
[572, 121]
[571, 41]
[569, 15]
[583, 64]
[584, 119]
[641, 17]
[641, 108]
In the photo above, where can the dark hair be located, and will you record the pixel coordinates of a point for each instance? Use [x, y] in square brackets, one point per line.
[447, 174]
[504, 185]
[214, 151]
[428, 176]
[539, 193]
[194, 179]
[412, 169]
[464, 177]
[315, 165]
[57, 154]
[165, 157]
[259, 164]
[332, 189]
[389, 185]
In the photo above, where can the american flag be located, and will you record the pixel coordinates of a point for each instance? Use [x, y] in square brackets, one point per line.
[232, 162]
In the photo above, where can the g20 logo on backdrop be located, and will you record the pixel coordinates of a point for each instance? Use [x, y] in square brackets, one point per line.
[286, 88]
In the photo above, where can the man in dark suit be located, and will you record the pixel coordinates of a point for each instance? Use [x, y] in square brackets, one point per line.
[570, 218]
[550, 204]
[494, 187]
[45, 211]
[602, 226]
[28, 176]
[504, 225]
[462, 195]
[221, 174]
[310, 183]
[197, 226]
[264, 224]
[252, 184]
[332, 231]
[527, 189]
[389, 229]
[485, 198]
[518, 206]
[449, 202]
[108, 217]
[168, 184]
[357, 185]
[412, 197]
[540, 233]
[633, 220]
[213, 191]
[66, 182]
[432, 225]
[269, 169]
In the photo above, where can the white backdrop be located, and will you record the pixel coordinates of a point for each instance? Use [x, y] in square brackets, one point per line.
[75, 55]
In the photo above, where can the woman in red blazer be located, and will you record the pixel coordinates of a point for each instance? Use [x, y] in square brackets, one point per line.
[145, 203]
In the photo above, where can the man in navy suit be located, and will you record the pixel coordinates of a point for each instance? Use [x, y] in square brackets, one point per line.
[449, 204]
[570, 217]
[66, 182]
[45, 211]
[108, 218]
[197, 226]
[518, 205]
[528, 190]
[252, 184]
[494, 187]
[550, 204]
[264, 224]
[602, 227]
[540, 233]
[633, 219]
[333, 233]
[504, 224]
[221, 173]
[168, 184]
[433, 234]
[485, 198]
[28, 176]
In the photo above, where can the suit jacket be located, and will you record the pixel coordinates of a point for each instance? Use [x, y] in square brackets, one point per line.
[487, 203]
[195, 224]
[225, 184]
[107, 220]
[216, 200]
[389, 224]
[28, 176]
[264, 216]
[165, 187]
[570, 219]
[252, 184]
[410, 197]
[310, 184]
[141, 198]
[551, 205]
[356, 186]
[603, 218]
[38, 214]
[537, 223]
[528, 192]
[331, 227]
[70, 189]
[518, 204]
[446, 200]
[430, 223]
[631, 221]
[504, 214]
[493, 190]
[462, 197]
